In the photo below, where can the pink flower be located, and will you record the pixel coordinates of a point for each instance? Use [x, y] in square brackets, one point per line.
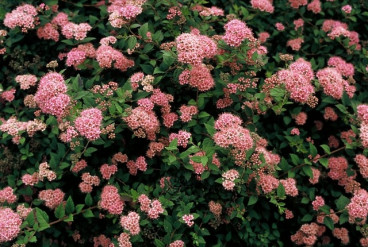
[295, 131]
[49, 31]
[346, 69]
[7, 195]
[26, 81]
[315, 6]
[107, 56]
[182, 137]
[330, 114]
[268, 182]
[131, 223]
[236, 32]
[187, 112]
[8, 95]
[124, 240]
[24, 16]
[332, 82]
[188, 219]
[88, 123]
[215, 208]
[318, 202]
[301, 118]
[177, 243]
[143, 122]
[263, 36]
[263, 5]
[346, 9]
[295, 44]
[288, 214]
[279, 26]
[111, 200]
[297, 3]
[107, 171]
[80, 165]
[52, 198]
[76, 31]
[316, 175]
[9, 225]
[342, 234]
[290, 186]
[299, 23]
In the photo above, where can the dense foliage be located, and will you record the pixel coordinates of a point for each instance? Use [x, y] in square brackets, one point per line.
[172, 123]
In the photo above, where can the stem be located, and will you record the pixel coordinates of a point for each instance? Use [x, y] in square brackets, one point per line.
[65, 217]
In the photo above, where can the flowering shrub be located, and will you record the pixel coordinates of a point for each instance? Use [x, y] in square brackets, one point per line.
[183, 123]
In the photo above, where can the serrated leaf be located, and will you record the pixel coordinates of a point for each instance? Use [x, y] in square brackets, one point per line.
[69, 206]
[328, 222]
[88, 200]
[60, 211]
[342, 202]
[252, 200]
[281, 191]
[89, 151]
[88, 214]
[308, 171]
[167, 226]
[326, 148]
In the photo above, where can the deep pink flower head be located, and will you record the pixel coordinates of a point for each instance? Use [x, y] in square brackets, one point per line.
[331, 81]
[263, 5]
[76, 31]
[346, 9]
[346, 69]
[131, 223]
[111, 200]
[52, 198]
[51, 94]
[107, 57]
[49, 31]
[9, 225]
[236, 32]
[199, 77]
[24, 16]
[88, 123]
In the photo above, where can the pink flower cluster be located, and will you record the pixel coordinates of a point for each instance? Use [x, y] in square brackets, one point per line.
[215, 208]
[188, 219]
[49, 31]
[24, 16]
[333, 84]
[295, 44]
[143, 122]
[177, 243]
[290, 186]
[330, 114]
[182, 137]
[139, 164]
[315, 6]
[358, 206]
[187, 112]
[301, 118]
[193, 48]
[229, 178]
[231, 133]
[131, 223]
[124, 240]
[346, 9]
[336, 29]
[14, 127]
[236, 32]
[88, 181]
[8, 95]
[297, 3]
[9, 225]
[76, 31]
[279, 26]
[299, 23]
[204, 11]
[154, 148]
[345, 69]
[362, 162]
[263, 36]
[107, 56]
[337, 166]
[342, 234]
[51, 94]
[307, 234]
[263, 5]
[318, 202]
[268, 182]
[152, 208]
[52, 198]
[316, 175]
[107, 171]
[88, 123]
[7, 195]
[26, 81]
[173, 11]
[122, 12]
[111, 200]
[198, 77]
[80, 165]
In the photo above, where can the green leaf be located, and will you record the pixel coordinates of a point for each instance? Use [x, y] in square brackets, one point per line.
[326, 148]
[342, 202]
[69, 206]
[143, 30]
[89, 151]
[252, 200]
[294, 159]
[324, 162]
[132, 41]
[328, 222]
[159, 243]
[308, 171]
[88, 200]
[88, 214]
[307, 218]
[313, 150]
[281, 191]
[60, 211]
[167, 226]
[42, 219]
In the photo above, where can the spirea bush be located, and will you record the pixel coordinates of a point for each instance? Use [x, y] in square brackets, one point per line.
[183, 123]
